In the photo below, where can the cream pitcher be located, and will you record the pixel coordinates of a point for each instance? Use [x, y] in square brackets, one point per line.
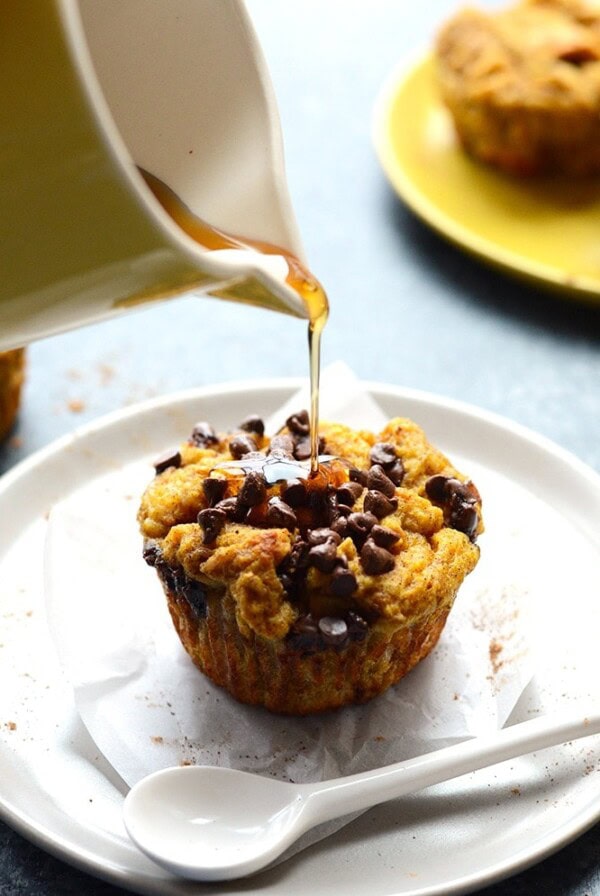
[100, 98]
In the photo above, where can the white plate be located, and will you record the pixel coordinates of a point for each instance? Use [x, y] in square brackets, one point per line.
[58, 791]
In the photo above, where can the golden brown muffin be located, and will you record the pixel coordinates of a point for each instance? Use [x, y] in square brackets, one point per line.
[523, 85]
[12, 372]
[306, 594]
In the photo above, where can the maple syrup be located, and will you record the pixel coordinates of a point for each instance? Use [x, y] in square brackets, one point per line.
[298, 278]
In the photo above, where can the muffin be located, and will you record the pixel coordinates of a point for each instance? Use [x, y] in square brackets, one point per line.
[12, 371]
[523, 85]
[307, 594]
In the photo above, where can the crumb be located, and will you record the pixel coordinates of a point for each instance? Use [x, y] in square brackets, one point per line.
[16, 442]
[76, 406]
[495, 651]
[106, 373]
[379, 738]
[12, 726]
[157, 739]
[516, 791]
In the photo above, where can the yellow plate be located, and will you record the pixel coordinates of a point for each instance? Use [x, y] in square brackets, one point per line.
[546, 230]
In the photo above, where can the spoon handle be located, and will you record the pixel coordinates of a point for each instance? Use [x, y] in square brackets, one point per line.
[330, 799]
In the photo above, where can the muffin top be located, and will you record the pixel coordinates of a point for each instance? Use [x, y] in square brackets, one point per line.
[383, 533]
[540, 54]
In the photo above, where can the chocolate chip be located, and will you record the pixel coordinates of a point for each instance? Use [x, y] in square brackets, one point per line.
[384, 454]
[396, 472]
[298, 556]
[320, 536]
[282, 444]
[195, 595]
[464, 518]
[340, 526]
[304, 634]
[349, 493]
[203, 435]
[166, 460]
[333, 630]
[383, 537]
[360, 524]
[333, 509]
[375, 560]
[436, 489]
[343, 582]
[211, 520]
[303, 448]
[253, 423]
[357, 475]
[294, 492]
[151, 554]
[377, 504]
[229, 506]
[323, 556]
[253, 490]
[357, 626]
[280, 515]
[241, 445]
[379, 481]
[214, 489]
[299, 423]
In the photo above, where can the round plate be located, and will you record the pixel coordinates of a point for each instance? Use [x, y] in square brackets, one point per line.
[58, 790]
[545, 230]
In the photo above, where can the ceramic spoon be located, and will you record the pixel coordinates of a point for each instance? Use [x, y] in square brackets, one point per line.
[208, 823]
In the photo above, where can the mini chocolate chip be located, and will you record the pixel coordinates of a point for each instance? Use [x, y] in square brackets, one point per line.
[294, 492]
[384, 454]
[361, 523]
[304, 634]
[333, 630]
[379, 481]
[323, 556]
[280, 515]
[379, 505]
[281, 444]
[343, 582]
[298, 556]
[241, 445]
[299, 423]
[203, 435]
[211, 520]
[396, 472]
[320, 536]
[229, 506]
[166, 460]
[253, 490]
[357, 475]
[436, 489]
[348, 493]
[151, 554]
[464, 518]
[384, 537]
[340, 526]
[253, 423]
[357, 626]
[214, 489]
[302, 450]
[375, 560]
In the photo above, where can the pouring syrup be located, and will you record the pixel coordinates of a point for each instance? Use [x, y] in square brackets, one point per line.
[298, 278]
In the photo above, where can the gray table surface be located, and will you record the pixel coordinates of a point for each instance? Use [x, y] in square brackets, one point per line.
[407, 308]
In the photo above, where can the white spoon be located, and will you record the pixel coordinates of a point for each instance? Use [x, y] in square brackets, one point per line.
[208, 823]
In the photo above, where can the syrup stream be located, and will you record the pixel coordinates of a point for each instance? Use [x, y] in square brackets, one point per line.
[298, 277]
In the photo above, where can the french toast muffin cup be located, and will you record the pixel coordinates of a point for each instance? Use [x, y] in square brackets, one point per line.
[12, 374]
[307, 594]
[523, 85]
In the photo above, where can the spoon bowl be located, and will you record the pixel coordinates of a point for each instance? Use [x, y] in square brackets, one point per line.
[209, 823]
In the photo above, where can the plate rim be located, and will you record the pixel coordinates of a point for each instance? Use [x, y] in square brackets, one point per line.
[119, 874]
[581, 287]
